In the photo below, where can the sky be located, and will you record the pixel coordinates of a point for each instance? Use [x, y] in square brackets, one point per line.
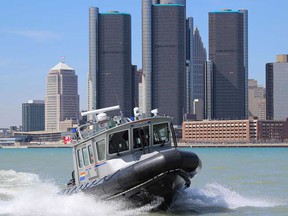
[36, 35]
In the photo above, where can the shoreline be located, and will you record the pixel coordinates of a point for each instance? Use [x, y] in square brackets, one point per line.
[181, 145]
[37, 146]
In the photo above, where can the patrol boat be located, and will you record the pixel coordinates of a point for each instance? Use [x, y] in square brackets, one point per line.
[134, 158]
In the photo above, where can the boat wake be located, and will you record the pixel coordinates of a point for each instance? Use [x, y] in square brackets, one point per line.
[26, 194]
[215, 197]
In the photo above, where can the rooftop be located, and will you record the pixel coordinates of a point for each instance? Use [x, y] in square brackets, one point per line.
[227, 11]
[61, 66]
[114, 13]
[169, 5]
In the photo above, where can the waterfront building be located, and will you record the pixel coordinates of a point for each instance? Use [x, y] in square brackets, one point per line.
[272, 131]
[4, 132]
[218, 131]
[163, 57]
[41, 137]
[62, 99]
[110, 78]
[276, 89]
[33, 115]
[228, 51]
[257, 100]
[234, 131]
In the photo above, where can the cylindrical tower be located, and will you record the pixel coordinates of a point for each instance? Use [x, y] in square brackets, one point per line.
[93, 57]
[146, 54]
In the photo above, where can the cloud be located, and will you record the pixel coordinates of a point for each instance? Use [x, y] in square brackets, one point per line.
[38, 35]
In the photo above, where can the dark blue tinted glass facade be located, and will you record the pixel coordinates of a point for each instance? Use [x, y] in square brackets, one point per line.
[226, 51]
[168, 60]
[115, 79]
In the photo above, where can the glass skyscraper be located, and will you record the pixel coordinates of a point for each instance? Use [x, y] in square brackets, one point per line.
[276, 89]
[110, 72]
[228, 51]
[195, 65]
[163, 57]
[33, 116]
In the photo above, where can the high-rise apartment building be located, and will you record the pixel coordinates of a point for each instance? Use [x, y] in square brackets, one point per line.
[228, 51]
[110, 76]
[62, 99]
[164, 56]
[33, 116]
[276, 89]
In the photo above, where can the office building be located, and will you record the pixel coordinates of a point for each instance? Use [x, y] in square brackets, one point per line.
[196, 57]
[138, 87]
[199, 59]
[208, 90]
[163, 57]
[33, 116]
[110, 78]
[62, 99]
[228, 51]
[235, 131]
[257, 100]
[217, 131]
[276, 89]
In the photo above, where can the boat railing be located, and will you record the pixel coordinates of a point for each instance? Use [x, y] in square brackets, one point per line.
[93, 128]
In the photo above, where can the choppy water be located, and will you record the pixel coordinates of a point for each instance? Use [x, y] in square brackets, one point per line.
[233, 181]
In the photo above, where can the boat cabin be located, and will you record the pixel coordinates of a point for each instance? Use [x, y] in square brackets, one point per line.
[110, 144]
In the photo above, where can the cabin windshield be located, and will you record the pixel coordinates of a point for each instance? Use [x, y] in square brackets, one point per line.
[141, 137]
[118, 142]
[161, 133]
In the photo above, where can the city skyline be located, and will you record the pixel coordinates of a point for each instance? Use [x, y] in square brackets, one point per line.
[36, 35]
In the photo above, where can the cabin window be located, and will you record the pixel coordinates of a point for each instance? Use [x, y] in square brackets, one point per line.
[160, 133]
[85, 156]
[101, 150]
[118, 142]
[91, 155]
[140, 137]
[80, 159]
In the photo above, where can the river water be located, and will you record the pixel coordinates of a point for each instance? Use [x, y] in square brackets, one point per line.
[233, 181]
